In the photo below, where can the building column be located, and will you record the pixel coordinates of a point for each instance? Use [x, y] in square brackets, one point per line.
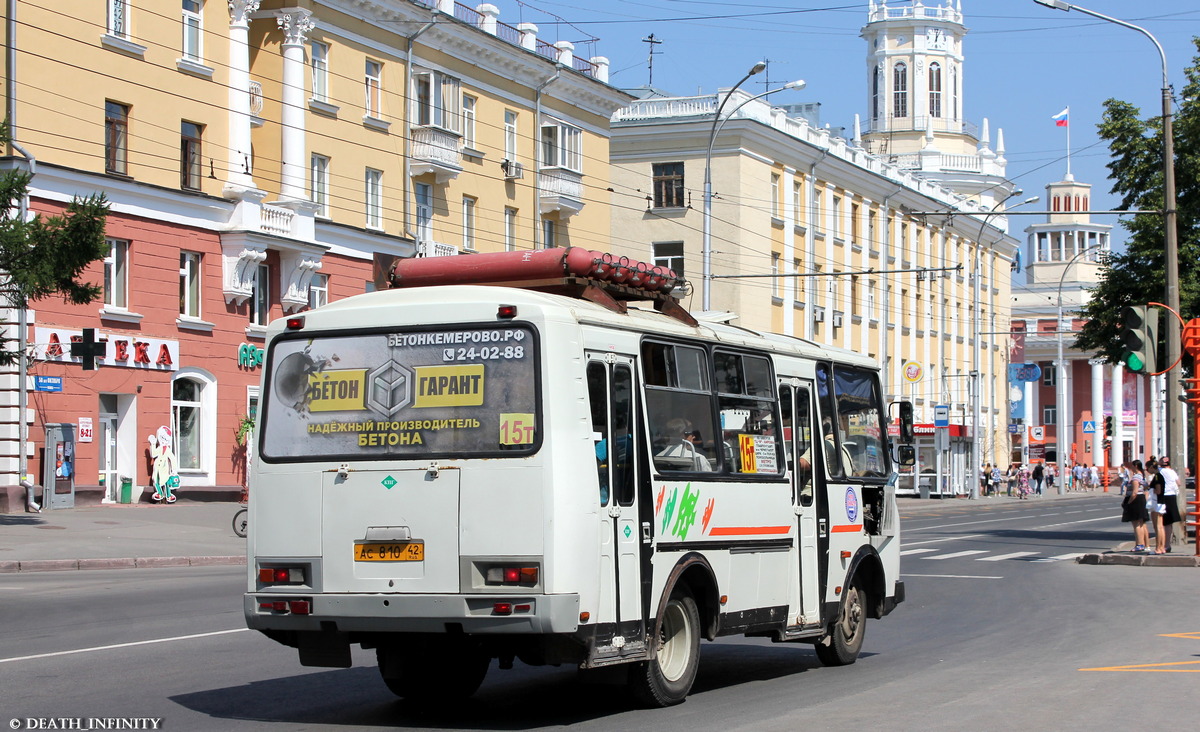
[239, 176]
[1097, 437]
[295, 23]
[1118, 438]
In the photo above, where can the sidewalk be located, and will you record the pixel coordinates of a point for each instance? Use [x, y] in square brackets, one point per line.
[120, 536]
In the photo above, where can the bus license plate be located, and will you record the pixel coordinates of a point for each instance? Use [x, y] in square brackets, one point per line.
[392, 551]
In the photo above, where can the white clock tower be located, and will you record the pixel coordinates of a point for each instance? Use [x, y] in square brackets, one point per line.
[915, 89]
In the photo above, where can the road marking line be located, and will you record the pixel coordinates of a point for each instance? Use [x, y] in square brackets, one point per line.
[906, 552]
[955, 555]
[1194, 635]
[1002, 557]
[1060, 557]
[954, 576]
[942, 541]
[1153, 668]
[122, 645]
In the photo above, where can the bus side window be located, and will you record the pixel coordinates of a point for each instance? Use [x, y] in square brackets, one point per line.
[621, 440]
[803, 438]
[597, 379]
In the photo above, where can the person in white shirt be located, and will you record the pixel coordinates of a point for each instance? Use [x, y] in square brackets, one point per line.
[1170, 500]
[683, 453]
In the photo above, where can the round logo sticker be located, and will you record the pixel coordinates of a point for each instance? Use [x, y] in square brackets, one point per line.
[851, 505]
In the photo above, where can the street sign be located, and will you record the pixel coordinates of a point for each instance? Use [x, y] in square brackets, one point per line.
[1089, 426]
[1014, 429]
[941, 415]
[912, 372]
[47, 383]
[1037, 433]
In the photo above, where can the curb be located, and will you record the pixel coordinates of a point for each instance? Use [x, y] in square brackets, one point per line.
[62, 565]
[1140, 560]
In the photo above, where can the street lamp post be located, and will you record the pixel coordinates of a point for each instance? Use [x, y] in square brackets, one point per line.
[717, 122]
[1170, 236]
[1061, 367]
[977, 328]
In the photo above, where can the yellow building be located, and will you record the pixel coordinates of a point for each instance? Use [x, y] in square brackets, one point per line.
[262, 158]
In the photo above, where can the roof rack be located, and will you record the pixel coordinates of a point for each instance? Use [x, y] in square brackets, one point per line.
[599, 277]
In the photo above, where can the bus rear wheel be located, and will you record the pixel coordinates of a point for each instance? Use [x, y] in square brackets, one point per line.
[432, 671]
[667, 677]
[845, 638]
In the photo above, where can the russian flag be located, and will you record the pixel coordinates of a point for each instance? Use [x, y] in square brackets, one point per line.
[1060, 119]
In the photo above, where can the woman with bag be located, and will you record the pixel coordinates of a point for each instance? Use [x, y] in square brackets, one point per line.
[1170, 498]
[1155, 506]
[1133, 508]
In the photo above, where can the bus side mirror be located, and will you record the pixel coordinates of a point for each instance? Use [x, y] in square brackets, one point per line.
[906, 421]
[906, 455]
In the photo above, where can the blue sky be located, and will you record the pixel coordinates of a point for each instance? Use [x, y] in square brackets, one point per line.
[1023, 63]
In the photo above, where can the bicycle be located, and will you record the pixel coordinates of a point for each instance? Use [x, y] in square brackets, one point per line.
[242, 518]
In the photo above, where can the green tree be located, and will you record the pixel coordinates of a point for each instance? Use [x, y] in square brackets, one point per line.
[45, 255]
[1137, 276]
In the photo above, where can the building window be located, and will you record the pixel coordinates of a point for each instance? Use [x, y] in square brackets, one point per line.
[373, 88]
[423, 192]
[319, 59]
[669, 254]
[116, 274]
[953, 93]
[189, 284]
[374, 198]
[797, 199]
[776, 290]
[438, 98]
[118, 18]
[260, 296]
[318, 291]
[186, 423]
[871, 300]
[190, 161]
[468, 223]
[510, 229]
[900, 90]
[1049, 374]
[935, 90]
[116, 138]
[510, 135]
[835, 217]
[549, 234]
[775, 200]
[193, 33]
[668, 185]
[1050, 414]
[468, 111]
[562, 146]
[318, 183]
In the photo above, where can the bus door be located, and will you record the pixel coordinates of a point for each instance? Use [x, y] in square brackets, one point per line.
[796, 406]
[611, 396]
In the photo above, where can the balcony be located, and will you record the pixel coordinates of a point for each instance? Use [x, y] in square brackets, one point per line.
[560, 190]
[436, 151]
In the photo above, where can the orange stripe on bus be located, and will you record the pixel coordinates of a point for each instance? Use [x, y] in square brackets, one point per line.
[846, 527]
[736, 530]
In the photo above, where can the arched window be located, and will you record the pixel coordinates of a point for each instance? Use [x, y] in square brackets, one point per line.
[900, 90]
[935, 89]
[1085, 204]
[1077, 203]
[187, 421]
[1057, 203]
[875, 94]
[1066, 203]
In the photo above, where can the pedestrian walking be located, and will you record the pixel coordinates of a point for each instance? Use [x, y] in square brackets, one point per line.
[997, 478]
[1023, 482]
[1170, 500]
[1010, 479]
[1093, 477]
[1051, 476]
[1039, 475]
[984, 477]
[1133, 507]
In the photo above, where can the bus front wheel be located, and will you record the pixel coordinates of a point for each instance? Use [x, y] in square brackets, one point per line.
[845, 638]
[431, 671]
[667, 677]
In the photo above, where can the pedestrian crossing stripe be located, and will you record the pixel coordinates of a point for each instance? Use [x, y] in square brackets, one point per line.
[1154, 668]
[1002, 557]
[1022, 556]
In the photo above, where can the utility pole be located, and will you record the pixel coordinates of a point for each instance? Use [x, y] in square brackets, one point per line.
[652, 41]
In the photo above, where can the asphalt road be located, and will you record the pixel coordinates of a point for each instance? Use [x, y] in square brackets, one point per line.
[1001, 630]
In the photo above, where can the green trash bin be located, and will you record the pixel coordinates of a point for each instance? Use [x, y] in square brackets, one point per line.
[126, 490]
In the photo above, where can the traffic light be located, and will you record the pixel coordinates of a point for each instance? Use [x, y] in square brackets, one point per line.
[1108, 426]
[1107, 444]
[1139, 332]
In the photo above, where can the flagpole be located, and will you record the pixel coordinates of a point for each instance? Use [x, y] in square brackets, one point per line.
[1069, 144]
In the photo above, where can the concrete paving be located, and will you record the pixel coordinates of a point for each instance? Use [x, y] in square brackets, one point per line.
[117, 536]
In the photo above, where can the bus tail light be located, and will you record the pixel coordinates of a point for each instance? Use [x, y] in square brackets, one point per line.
[302, 606]
[506, 312]
[523, 576]
[281, 575]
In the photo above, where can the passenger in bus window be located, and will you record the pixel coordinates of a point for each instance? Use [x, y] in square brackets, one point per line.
[682, 454]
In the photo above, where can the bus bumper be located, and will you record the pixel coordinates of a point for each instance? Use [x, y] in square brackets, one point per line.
[532, 614]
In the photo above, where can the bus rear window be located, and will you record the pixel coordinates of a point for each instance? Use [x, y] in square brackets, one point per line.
[464, 391]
